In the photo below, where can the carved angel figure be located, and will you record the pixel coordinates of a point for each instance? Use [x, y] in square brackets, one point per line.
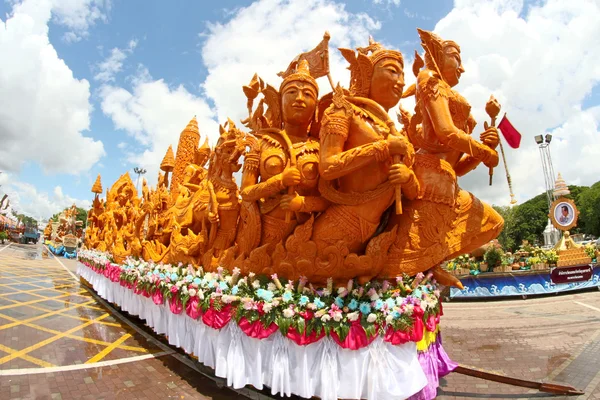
[358, 141]
[281, 171]
[443, 221]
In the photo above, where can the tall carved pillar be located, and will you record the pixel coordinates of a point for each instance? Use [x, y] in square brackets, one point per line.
[186, 150]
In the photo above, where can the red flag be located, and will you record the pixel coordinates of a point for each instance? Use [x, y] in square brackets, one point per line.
[512, 136]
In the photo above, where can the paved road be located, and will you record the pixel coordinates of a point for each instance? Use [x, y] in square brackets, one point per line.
[57, 341]
[552, 339]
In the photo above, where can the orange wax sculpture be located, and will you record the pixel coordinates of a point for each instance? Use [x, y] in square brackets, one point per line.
[330, 188]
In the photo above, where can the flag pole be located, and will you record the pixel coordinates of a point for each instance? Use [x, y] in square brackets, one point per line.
[512, 195]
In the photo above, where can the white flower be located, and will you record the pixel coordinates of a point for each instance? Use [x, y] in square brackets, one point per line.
[228, 280]
[201, 295]
[341, 290]
[311, 306]
[374, 296]
[337, 316]
[371, 318]
[275, 303]
[192, 292]
[184, 289]
[271, 286]
[208, 277]
[256, 284]
[389, 318]
[399, 300]
[179, 283]
[353, 316]
[325, 318]
[267, 307]
[288, 313]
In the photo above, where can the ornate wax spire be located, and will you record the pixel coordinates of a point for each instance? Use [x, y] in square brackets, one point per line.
[97, 188]
[186, 151]
[560, 187]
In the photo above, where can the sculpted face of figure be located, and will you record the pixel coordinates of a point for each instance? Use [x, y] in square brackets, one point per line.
[387, 82]
[452, 68]
[298, 103]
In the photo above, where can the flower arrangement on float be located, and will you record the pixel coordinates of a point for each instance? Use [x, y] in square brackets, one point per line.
[352, 315]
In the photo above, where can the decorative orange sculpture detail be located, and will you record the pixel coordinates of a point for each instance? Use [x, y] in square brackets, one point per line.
[330, 188]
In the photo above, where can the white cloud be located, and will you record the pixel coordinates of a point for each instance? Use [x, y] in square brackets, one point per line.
[113, 64]
[26, 199]
[46, 108]
[540, 63]
[79, 15]
[388, 2]
[265, 36]
[154, 114]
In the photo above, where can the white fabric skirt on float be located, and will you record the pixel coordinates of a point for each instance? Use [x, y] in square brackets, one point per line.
[380, 371]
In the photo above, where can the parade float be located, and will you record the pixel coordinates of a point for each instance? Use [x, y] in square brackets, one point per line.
[531, 271]
[63, 236]
[319, 274]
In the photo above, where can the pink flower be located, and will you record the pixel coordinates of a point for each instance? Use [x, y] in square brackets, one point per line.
[386, 285]
[174, 289]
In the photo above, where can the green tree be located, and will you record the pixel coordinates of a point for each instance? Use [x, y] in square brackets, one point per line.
[81, 215]
[506, 238]
[588, 203]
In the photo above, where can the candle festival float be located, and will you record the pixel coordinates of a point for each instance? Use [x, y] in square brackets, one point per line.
[319, 275]
[531, 271]
[64, 236]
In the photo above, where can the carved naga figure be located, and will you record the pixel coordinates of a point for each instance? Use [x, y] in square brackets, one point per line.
[443, 221]
[281, 170]
[358, 141]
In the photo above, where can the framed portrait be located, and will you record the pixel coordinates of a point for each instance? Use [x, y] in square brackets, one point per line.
[564, 214]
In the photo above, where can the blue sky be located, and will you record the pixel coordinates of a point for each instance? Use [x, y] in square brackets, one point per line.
[139, 70]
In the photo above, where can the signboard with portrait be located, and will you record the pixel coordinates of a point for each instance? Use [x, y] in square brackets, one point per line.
[564, 214]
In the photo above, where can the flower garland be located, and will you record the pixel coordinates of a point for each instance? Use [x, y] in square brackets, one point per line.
[353, 315]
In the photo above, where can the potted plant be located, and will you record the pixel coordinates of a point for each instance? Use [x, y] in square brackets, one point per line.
[3, 236]
[534, 262]
[590, 250]
[551, 258]
[493, 257]
[474, 268]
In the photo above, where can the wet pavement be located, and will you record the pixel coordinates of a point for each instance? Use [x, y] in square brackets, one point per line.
[58, 341]
[553, 338]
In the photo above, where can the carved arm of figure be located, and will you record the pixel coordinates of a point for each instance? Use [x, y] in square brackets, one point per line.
[335, 162]
[252, 190]
[439, 113]
[295, 202]
[468, 163]
[213, 204]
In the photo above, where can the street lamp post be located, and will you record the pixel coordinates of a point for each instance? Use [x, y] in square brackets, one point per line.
[139, 172]
[551, 234]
